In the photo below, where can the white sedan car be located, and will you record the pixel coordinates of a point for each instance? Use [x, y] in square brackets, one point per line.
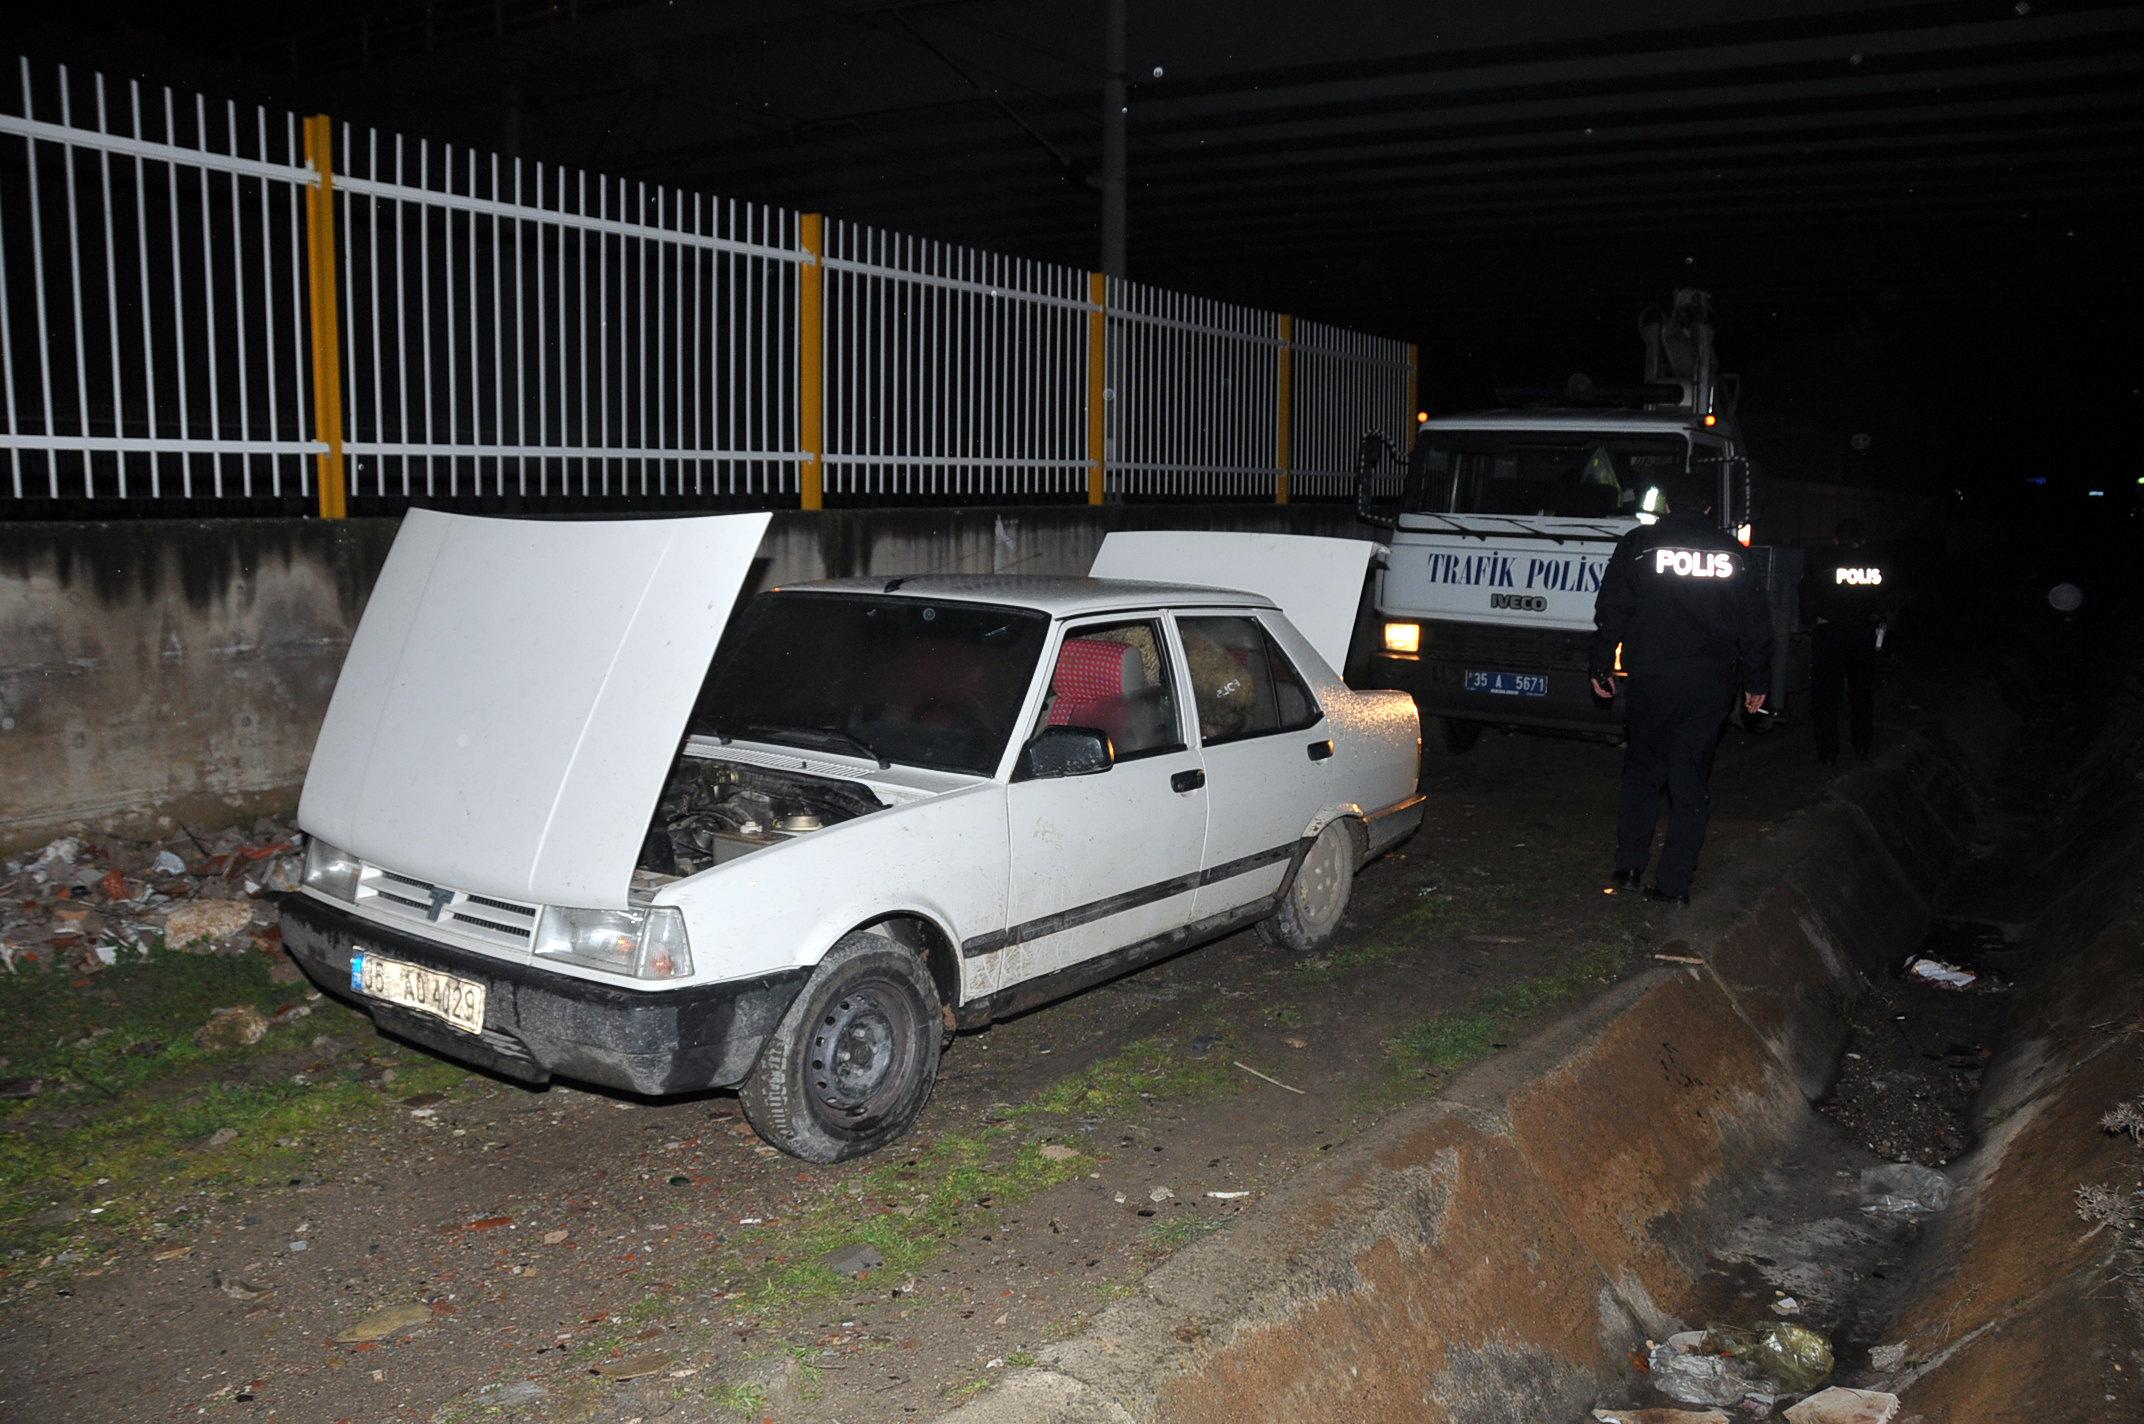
[549, 832]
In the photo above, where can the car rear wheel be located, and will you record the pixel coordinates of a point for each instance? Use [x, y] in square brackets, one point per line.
[1309, 912]
[853, 1061]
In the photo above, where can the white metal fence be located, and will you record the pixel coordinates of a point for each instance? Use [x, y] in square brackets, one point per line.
[152, 295]
[518, 328]
[173, 311]
[951, 372]
[1346, 383]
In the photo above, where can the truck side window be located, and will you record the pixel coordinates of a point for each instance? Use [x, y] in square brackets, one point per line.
[1241, 682]
[1114, 678]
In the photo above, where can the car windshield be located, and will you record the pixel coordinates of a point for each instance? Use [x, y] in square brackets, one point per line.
[899, 679]
[1583, 474]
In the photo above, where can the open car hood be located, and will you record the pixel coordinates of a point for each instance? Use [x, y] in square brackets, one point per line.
[515, 694]
[1317, 582]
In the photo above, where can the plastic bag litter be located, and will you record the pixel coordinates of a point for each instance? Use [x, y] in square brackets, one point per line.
[1794, 1356]
[166, 863]
[1904, 1189]
[1684, 1369]
[1939, 975]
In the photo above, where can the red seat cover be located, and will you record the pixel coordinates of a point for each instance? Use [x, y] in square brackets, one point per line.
[1089, 678]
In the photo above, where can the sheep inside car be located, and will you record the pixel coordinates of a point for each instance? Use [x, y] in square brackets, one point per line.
[552, 832]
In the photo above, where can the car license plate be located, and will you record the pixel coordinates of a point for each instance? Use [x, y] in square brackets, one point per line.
[455, 1000]
[1508, 684]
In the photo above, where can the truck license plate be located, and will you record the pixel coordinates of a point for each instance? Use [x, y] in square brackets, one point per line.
[447, 997]
[1508, 684]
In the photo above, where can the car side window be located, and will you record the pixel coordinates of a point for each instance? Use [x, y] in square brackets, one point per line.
[1115, 678]
[1241, 682]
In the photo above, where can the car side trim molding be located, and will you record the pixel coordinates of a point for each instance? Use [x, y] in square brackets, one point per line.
[1126, 900]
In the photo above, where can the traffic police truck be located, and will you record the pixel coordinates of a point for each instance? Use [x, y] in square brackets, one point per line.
[1506, 521]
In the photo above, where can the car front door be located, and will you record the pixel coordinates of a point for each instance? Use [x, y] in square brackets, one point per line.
[1108, 860]
[1267, 751]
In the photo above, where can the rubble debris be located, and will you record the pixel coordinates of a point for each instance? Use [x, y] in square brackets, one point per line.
[239, 1027]
[1660, 1416]
[211, 920]
[1839, 1405]
[385, 1322]
[1888, 1357]
[83, 904]
[1904, 1189]
[637, 1367]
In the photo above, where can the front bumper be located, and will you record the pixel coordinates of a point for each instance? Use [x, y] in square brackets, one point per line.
[1436, 676]
[539, 1023]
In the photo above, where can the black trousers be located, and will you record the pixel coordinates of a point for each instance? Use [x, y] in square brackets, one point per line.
[1842, 662]
[1677, 712]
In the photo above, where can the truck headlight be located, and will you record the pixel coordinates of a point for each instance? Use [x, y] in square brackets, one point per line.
[331, 870]
[1403, 637]
[639, 944]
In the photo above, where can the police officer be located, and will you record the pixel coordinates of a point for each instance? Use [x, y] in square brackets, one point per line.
[1687, 609]
[1846, 594]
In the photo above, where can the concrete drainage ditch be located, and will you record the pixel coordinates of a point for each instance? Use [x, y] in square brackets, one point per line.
[1509, 1251]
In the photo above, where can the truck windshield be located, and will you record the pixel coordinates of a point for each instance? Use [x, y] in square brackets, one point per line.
[902, 679]
[1579, 474]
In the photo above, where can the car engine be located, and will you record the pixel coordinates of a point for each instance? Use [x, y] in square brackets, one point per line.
[714, 811]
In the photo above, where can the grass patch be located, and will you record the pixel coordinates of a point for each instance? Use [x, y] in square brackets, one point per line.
[1447, 1042]
[1121, 1084]
[1435, 915]
[130, 1099]
[747, 1399]
[1175, 1235]
[966, 1390]
[910, 1210]
[134, 1024]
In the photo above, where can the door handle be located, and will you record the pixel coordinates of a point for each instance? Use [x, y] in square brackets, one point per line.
[1319, 751]
[1187, 780]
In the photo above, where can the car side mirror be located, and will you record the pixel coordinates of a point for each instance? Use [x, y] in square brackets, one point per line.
[1065, 751]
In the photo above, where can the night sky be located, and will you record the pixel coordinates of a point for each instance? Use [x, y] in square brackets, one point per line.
[1920, 221]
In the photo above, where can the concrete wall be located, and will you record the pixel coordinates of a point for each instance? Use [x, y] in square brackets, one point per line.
[154, 672]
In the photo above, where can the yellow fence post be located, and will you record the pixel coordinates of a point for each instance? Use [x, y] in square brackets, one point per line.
[811, 360]
[1097, 383]
[327, 335]
[1287, 408]
[1414, 393]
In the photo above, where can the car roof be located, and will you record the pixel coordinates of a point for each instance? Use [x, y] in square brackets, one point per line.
[1058, 597]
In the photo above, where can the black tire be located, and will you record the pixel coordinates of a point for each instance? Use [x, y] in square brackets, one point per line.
[1448, 736]
[1310, 911]
[853, 1061]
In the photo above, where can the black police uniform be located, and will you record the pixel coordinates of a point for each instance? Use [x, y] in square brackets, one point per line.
[1686, 605]
[1846, 591]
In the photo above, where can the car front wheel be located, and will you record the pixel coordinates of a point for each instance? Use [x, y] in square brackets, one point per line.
[1310, 910]
[853, 1061]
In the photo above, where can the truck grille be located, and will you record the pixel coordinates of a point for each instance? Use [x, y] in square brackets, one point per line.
[505, 923]
[1487, 648]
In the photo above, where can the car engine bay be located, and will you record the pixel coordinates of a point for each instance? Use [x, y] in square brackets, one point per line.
[715, 811]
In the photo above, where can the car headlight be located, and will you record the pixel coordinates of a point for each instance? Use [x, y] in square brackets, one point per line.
[1403, 637]
[640, 944]
[331, 870]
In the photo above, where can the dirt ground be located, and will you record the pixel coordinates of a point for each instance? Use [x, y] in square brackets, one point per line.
[575, 1256]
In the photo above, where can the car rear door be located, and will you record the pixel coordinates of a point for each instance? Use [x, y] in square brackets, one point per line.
[1106, 861]
[1267, 750]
